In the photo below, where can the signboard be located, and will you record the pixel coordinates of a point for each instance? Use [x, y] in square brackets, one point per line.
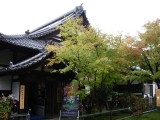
[158, 97]
[70, 105]
[22, 96]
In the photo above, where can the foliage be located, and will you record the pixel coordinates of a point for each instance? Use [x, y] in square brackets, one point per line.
[8, 104]
[96, 58]
[150, 47]
[142, 55]
[87, 52]
[138, 75]
[101, 60]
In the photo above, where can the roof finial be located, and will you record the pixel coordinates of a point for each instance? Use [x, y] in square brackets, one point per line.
[79, 8]
[27, 32]
[10, 64]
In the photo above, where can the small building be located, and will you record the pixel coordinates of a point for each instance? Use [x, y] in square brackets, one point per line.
[22, 67]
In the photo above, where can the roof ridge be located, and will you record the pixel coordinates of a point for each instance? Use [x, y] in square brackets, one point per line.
[77, 9]
[14, 36]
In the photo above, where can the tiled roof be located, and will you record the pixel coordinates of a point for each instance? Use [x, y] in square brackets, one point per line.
[23, 41]
[27, 64]
[50, 27]
[31, 41]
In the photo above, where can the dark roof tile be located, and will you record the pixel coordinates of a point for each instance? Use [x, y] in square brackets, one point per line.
[52, 25]
[23, 41]
[25, 64]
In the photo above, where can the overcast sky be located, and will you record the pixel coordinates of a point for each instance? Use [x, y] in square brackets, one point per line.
[110, 16]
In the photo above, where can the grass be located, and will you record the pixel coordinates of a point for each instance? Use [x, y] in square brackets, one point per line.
[155, 115]
[115, 116]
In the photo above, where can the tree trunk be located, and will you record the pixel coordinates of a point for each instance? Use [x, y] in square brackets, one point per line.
[157, 82]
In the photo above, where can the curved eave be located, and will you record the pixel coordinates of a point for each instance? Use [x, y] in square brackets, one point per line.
[27, 65]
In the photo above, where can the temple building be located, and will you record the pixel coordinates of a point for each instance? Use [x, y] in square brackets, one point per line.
[22, 67]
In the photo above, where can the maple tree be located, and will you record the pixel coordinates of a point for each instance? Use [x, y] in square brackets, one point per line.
[150, 47]
[103, 60]
[143, 54]
[91, 55]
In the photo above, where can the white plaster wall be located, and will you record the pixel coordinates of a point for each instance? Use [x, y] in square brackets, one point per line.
[150, 87]
[146, 89]
[154, 88]
[5, 83]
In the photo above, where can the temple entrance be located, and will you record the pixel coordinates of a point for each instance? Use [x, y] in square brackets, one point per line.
[51, 99]
[44, 92]
[42, 99]
[37, 98]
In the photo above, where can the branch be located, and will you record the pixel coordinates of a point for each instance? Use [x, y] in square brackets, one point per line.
[148, 63]
[157, 65]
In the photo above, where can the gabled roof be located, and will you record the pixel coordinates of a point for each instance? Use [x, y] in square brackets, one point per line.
[51, 26]
[33, 41]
